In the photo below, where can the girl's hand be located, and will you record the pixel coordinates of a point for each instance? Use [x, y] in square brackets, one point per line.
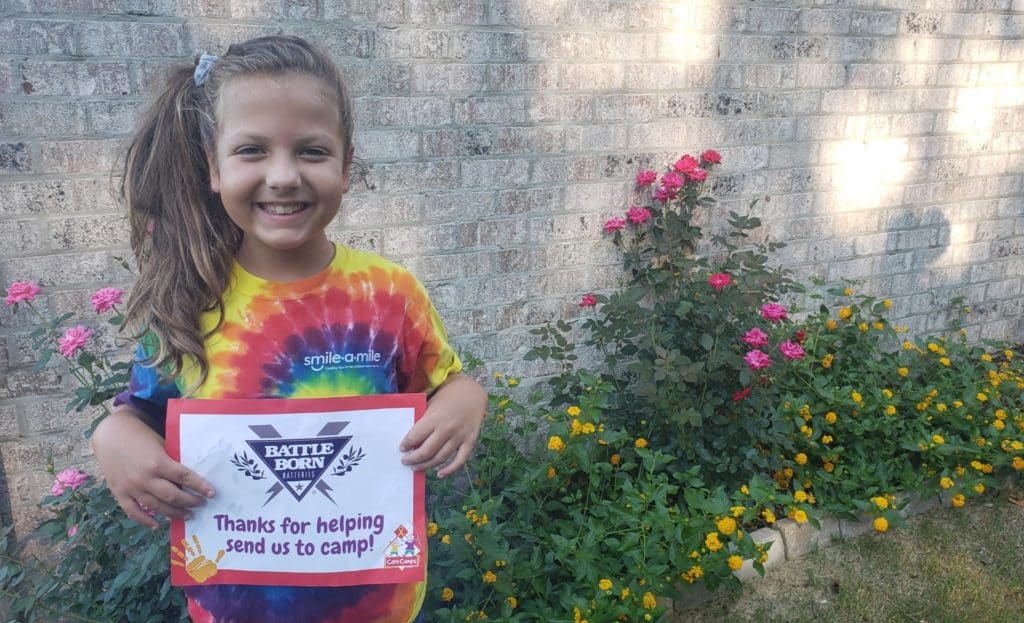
[140, 474]
[449, 428]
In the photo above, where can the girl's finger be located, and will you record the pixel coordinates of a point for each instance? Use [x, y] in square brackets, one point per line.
[170, 494]
[185, 477]
[151, 502]
[460, 458]
[133, 511]
[437, 458]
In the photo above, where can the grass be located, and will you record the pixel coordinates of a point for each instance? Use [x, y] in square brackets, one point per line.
[947, 566]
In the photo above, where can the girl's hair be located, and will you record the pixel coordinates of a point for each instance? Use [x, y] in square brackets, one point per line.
[181, 236]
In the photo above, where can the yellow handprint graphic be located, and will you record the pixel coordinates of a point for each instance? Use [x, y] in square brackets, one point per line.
[200, 568]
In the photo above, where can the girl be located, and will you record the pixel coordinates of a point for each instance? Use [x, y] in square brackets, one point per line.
[236, 170]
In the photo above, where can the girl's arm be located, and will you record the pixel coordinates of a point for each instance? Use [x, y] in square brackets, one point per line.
[449, 428]
[132, 458]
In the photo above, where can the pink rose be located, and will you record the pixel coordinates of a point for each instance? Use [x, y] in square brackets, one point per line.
[698, 175]
[646, 178]
[686, 165]
[719, 280]
[73, 530]
[105, 299]
[773, 312]
[68, 478]
[662, 194]
[755, 337]
[614, 224]
[21, 291]
[637, 214]
[588, 300]
[757, 359]
[672, 182]
[791, 350]
[711, 157]
[74, 338]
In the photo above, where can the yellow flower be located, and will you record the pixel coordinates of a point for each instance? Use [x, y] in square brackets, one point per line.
[800, 496]
[903, 372]
[1008, 353]
[711, 542]
[737, 511]
[960, 470]
[512, 602]
[826, 361]
[744, 490]
[890, 410]
[981, 397]
[768, 515]
[489, 577]
[503, 403]
[938, 440]
[957, 404]
[798, 515]
[447, 594]
[831, 417]
[1018, 463]
[941, 407]
[932, 346]
[908, 345]
[831, 324]
[498, 375]
[614, 459]
[829, 466]
[848, 291]
[431, 529]
[826, 439]
[979, 488]
[555, 443]
[573, 411]
[551, 473]
[986, 357]
[605, 584]
[726, 525]
[887, 392]
[640, 443]
[512, 382]
[944, 361]
[446, 539]
[959, 500]
[1000, 414]
[624, 594]
[878, 325]
[999, 424]
[856, 397]
[887, 303]
[807, 431]
[863, 327]
[800, 458]
[649, 601]
[881, 502]
[575, 428]
[845, 313]
[735, 562]
[589, 428]
[946, 483]
[881, 524]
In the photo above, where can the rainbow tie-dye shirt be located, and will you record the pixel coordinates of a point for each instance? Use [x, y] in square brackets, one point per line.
[276, 339]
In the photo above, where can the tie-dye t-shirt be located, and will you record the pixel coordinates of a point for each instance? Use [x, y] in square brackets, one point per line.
[362, 310]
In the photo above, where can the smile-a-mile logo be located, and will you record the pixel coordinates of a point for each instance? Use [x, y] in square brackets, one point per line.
[299, 464]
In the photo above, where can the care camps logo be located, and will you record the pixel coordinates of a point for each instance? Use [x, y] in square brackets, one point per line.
[299, 464]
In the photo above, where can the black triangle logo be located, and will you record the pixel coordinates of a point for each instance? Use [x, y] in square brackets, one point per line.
[298, 464]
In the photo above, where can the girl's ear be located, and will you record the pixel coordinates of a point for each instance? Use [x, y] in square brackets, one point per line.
[214, 173]
[346, 172]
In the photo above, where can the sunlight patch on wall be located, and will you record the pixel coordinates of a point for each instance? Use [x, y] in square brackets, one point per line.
[973, 115]
[865, 171]
[684, 40]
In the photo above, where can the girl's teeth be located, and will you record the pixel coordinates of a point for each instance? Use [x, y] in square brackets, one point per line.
[282, 209]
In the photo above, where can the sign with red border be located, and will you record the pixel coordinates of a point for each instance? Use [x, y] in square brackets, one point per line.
[310, 492]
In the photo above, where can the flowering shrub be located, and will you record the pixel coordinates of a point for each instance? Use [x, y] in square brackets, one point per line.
[99, 565]
[673, 335]
[566, 516]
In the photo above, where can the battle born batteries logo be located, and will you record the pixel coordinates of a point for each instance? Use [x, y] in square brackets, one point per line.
[299, 464]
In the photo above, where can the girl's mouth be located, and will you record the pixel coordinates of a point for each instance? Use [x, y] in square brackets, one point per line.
[281, 209]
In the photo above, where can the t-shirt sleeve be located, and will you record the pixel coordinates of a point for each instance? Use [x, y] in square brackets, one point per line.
[428, 359]
[146, 391]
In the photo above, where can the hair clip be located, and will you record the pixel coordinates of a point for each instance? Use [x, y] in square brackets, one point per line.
[203, 68]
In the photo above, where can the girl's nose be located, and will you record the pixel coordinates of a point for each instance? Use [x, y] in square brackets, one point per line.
[282, 173]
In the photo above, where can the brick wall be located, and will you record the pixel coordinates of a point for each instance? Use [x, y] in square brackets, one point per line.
[497, 135]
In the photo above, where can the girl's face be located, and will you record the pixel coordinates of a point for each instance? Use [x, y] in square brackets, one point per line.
[281, 169]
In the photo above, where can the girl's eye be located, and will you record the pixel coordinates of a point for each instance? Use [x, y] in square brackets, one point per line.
[318, 152]
[248, 150]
